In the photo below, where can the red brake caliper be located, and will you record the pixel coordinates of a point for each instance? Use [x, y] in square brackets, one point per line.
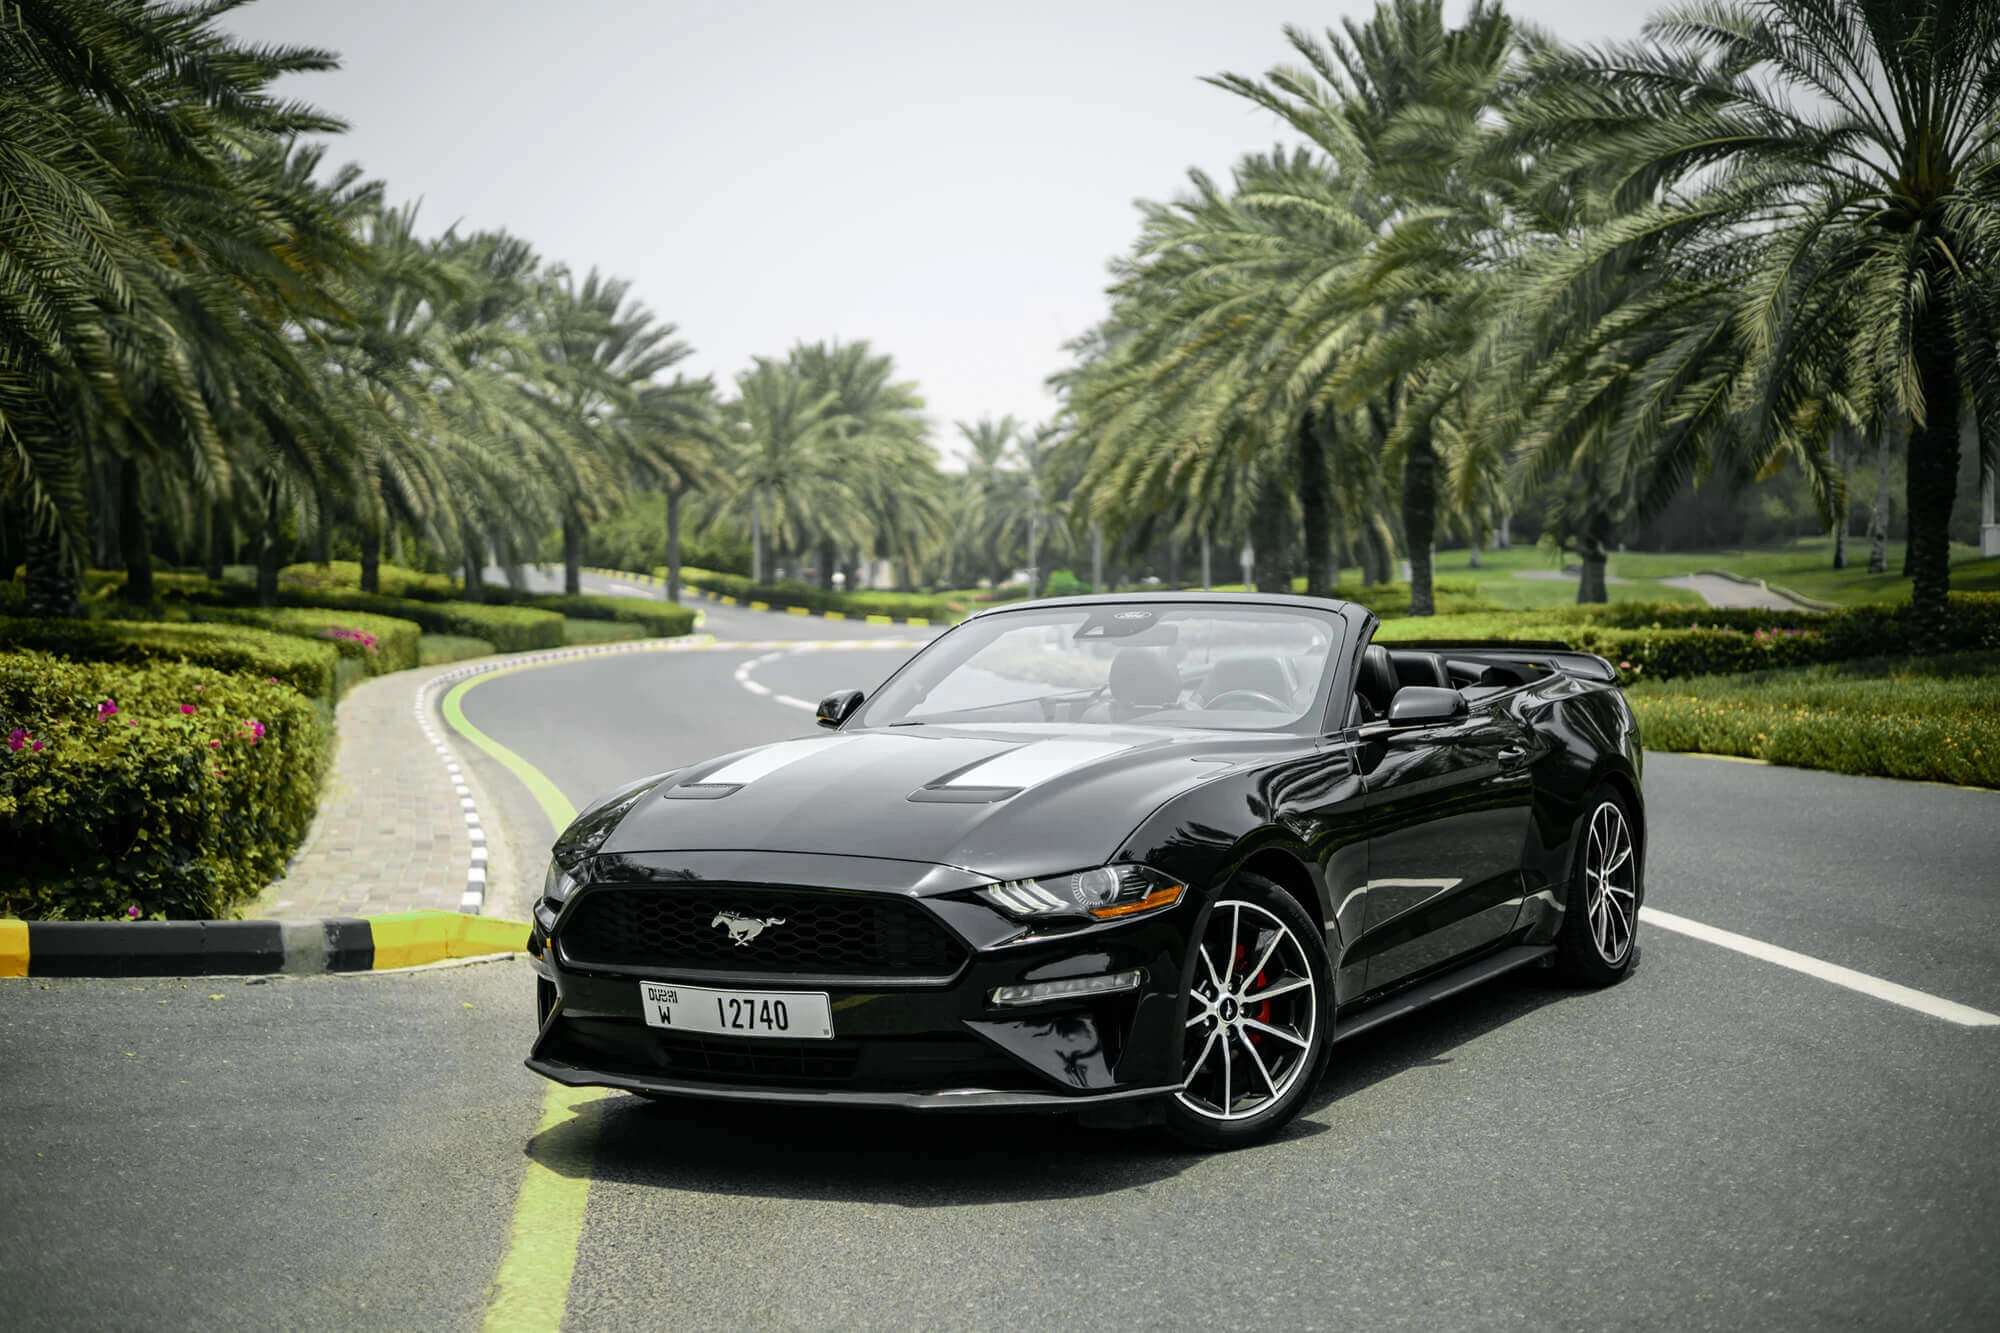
[1261, 980]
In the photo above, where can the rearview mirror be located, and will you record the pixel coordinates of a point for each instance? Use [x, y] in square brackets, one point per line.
[837, 707]
[1415, 705]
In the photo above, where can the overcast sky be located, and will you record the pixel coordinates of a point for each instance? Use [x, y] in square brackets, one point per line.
[944, 180]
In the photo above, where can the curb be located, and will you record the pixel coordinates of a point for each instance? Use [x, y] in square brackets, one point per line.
[250, 948]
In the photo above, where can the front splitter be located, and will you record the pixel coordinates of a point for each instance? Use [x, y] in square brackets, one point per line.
[953, 1099]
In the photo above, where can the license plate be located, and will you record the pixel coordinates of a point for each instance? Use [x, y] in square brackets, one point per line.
[736, 1013]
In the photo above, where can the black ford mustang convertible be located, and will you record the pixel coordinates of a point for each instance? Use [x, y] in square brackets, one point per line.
[1139, 857]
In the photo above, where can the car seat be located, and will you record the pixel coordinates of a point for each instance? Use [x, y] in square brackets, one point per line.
[1142, 679]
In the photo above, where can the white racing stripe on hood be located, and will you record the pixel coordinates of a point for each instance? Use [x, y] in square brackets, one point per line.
[769, 760]
[1033, 764]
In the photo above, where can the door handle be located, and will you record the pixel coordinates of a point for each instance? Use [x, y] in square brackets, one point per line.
[1511, 755]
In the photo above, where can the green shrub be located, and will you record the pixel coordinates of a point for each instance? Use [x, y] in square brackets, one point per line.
[577, 630]
[939, 608]
[510, 629]
[1902, 724]
[1064, 583]
[176, 789]
[1659, 641]
[659, 620]
[381, 644]
[345, 576]
[306, 666]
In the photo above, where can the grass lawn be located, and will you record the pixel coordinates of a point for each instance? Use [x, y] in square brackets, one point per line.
[1933, 719]
[1806, 567]
[438, 649]
[1498, 582]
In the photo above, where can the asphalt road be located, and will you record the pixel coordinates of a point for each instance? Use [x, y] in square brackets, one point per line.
[1716, 1143]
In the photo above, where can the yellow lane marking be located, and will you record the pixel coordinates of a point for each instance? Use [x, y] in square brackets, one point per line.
[531, 1290]
[554, 804]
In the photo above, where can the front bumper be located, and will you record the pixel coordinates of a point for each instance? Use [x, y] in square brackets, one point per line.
[927, 1044]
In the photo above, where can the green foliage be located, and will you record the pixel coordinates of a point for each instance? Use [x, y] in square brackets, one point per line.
[381, 644]
[579, 630]
[636, 538]
[1661, 641]
[658, 620]
[307, 666]
[440, 649]
[1896, 720]
[1064, 583]
[939, 608]
[174, 803]
[510, 629]
[345, 576]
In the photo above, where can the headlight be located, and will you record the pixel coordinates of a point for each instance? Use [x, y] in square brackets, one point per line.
[558, 884]
[1105, 893]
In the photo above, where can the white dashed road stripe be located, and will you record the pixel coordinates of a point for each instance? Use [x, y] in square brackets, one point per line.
[1949, 1010]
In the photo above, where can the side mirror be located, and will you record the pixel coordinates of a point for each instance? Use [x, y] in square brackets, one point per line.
[1416, 705]
[837, 707]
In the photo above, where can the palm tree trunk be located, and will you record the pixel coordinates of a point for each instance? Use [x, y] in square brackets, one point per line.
[1313, 507]
[1472, 560]
[134, 548]
[1843, 453]
[371, 557]
[1096, 558]
[1207, 583]
[1420, 520]
[51, 573]
[475, 565]
[1878, 520]
[674, 545]
[824, 559]
[1504, 539]
[1933, 471]
[572, 539]
[756, 539]
[1590, 588]
[218, 538]
[269, 553]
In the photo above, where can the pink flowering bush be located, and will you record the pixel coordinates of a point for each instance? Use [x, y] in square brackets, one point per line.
[149, 803]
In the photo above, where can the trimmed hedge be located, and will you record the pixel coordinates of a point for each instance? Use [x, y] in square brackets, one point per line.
[660, 620]
[394, 581]
[510, 629]
[174, 789]
[939, 608]
[1661, 641]
[1905, 724]
[381, 644]
[307, 666]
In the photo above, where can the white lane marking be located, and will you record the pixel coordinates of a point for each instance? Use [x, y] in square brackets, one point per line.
[1949, 1010]
[1034, 764]
[791, 702]
[755, 688]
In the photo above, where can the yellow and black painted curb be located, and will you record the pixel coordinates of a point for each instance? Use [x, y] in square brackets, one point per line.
[249, 948]
[655, 580]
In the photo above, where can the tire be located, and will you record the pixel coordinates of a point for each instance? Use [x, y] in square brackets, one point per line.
[1250, 1066]
[1599, 936]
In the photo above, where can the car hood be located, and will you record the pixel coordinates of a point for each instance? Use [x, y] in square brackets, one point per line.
[1000, 801]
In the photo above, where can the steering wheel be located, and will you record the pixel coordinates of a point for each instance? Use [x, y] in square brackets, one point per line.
[1246, 700]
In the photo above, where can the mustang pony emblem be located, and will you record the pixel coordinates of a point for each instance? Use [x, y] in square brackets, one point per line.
[743, 929]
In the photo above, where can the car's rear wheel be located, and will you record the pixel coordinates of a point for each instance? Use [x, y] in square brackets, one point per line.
[1601, 918]
[1258, 1018]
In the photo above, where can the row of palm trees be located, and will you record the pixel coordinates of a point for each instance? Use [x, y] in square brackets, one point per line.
[1500, 269]
[211, 346]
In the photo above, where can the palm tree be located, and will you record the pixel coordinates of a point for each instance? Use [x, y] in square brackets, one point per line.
[786, 461]
[672, 435]
[1841, 156]
[883, 445]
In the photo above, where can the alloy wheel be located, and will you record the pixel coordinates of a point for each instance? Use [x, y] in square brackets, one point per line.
[1610, 883]
[1253, 1013]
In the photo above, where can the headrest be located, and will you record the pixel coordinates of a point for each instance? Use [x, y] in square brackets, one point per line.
[1144, 677]
[1378, 683]
[1265, 675]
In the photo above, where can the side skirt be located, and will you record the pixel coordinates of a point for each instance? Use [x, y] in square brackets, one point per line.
[1438, 988]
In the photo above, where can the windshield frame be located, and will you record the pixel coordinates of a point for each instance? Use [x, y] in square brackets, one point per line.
[1337, 618]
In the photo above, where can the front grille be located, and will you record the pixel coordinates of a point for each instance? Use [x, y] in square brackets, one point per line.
[823, 933]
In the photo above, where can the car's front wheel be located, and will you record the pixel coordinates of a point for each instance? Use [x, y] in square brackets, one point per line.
[1258, 1018]
[1599, 937]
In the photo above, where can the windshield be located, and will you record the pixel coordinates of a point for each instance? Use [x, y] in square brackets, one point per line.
[1239, 668]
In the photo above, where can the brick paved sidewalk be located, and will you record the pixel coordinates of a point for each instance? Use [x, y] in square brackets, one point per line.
[390, 835]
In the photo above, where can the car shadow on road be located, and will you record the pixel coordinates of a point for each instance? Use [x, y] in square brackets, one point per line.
[919, 1160]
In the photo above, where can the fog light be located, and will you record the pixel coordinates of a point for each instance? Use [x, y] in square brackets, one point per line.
[1069, 988]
